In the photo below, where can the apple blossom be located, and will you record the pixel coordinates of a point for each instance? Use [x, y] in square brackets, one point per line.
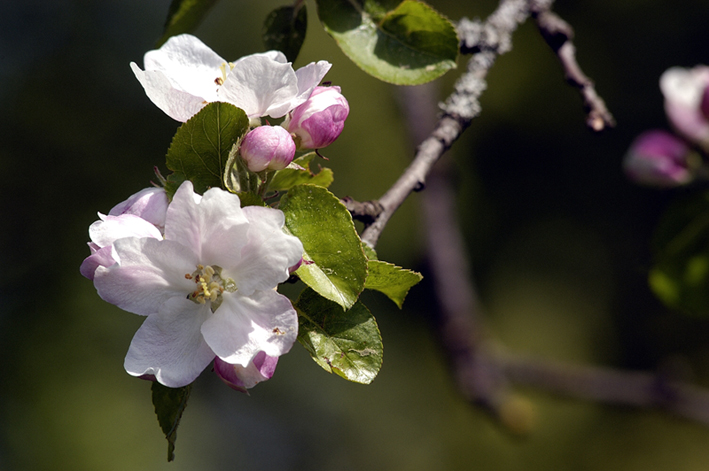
[267, 148]
[206, 288]
[658, 158]
[319, 121]
[686, 104]
[184, 75]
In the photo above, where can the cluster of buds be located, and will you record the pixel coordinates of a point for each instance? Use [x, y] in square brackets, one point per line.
[662, 159]
[312, 125]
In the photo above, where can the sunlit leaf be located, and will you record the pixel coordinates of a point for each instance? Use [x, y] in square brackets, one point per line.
[200, 149]
[335, 265]
[169, 405]
[408, 44]
[289, 177]
[347, 343]
[284, 30]
[393, 281]
[184, 16]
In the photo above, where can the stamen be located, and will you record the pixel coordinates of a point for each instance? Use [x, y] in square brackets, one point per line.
[210, 285]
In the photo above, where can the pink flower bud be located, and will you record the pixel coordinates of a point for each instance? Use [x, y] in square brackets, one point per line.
[242, 378]
[149, 204]
[686, 104]
[319, 121]
[267, 148]
[658, 158]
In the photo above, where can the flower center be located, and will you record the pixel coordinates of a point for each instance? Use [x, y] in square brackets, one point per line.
[220, 80]
[210, 285]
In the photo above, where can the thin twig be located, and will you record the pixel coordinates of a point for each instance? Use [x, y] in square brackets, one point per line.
[607, 385]
[558, 34]
[494, 37]
[485, 373]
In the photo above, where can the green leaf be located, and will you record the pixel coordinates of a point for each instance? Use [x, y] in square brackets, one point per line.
[289, 177]
[169, 405]
[249, 198]
[284, 30]
[407, 45]
[184, 16]
[335, 265]
[391, 280]
[345, 343]
[370, 253]
[200, 149]
[680, 275]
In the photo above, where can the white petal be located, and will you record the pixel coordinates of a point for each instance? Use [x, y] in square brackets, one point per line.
[169, 344]
[260, 86]
[111, 228]
[246, 325]
[309, 77]
[150, 272]
[277, 56]
[177, 104]
[684, 86]
[189, 64]
[268, 254]
[213, 226]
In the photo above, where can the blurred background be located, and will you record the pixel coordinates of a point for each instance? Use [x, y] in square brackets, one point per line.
[559, 242]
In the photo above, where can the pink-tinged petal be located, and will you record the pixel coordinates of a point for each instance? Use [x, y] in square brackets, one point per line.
[150, 272]
[109, 229]
[213, 226]
[260, 86]
[242, 378]
[177, 104]
[101, 258]
[268, 253]
[309, 77]
[149, 204]
[243, 326]
[189, 64]
[169, 344]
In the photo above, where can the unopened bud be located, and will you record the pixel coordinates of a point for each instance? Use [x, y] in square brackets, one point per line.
[658, 158]
[267, 148]
[320, 120]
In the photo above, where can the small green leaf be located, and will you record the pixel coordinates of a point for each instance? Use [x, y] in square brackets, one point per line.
[200, 149]
[345, 343]
[335, 265]
[680, 275]
[284, 30]
[407, 45]
[369, 252]
[169, 405]
[391, 280]
[289, 177]
[184, 16]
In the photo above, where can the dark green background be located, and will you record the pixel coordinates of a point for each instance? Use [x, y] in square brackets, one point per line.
[559, 238]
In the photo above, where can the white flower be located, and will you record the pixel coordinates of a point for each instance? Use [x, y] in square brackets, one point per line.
[207, 288]
[184, 75]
